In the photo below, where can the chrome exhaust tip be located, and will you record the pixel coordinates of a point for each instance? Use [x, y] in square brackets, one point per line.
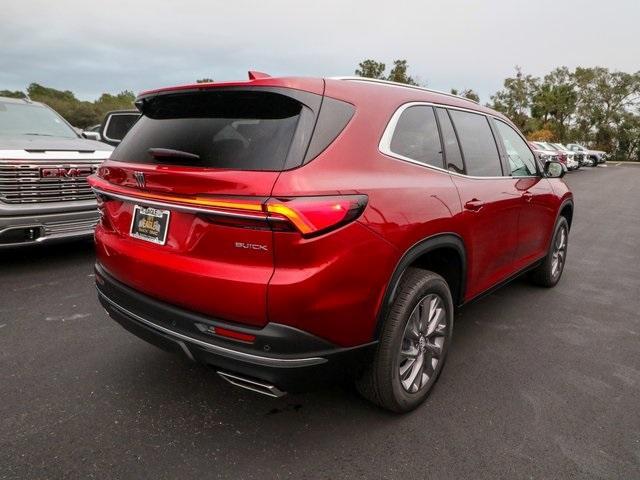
[254, 386]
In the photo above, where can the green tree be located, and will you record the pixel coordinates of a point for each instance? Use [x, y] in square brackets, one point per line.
[555, 100]
[371, 69]
[79, 113]
[399, 73]
[628, 137]
[107, 102]
[514, 99]
[605, 98]
[12, 94]
[467, 93]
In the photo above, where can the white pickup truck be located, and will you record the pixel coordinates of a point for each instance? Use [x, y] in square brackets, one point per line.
[44, 165]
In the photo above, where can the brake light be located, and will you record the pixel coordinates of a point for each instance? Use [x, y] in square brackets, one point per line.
[316, 215]
[310, 216]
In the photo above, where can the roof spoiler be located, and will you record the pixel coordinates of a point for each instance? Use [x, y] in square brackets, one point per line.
[253, 75]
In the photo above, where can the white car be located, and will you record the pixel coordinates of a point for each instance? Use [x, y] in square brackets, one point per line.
[545, 155]
[594, 156]
[565, 154]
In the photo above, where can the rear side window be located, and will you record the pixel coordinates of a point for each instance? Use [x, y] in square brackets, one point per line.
[119, 124]
[521, 160]
[478, 145]
[416, 136]
[452, 153]
[240, 130]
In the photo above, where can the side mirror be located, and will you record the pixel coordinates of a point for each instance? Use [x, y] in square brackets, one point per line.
[91, 136]
[553, 169]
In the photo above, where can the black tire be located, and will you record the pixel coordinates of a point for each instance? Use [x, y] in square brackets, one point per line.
[381, 382]
[545, 274]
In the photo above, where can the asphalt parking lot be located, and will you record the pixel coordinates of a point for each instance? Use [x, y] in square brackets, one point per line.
[539, 383]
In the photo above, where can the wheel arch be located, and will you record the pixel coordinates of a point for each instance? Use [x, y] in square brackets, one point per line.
[425, 253]
[566, 210]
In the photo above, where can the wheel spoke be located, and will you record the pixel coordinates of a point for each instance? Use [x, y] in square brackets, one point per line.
[413, 327]
[429, 366]
[416, 368]
[404, 368]
[422, 324]
[435, 321]
[417, 383]
[440, 331]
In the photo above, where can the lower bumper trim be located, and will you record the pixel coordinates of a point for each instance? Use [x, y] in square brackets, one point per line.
[296, 361]
[227, 352]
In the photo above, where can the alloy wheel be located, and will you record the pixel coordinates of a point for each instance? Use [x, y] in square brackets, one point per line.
[423, 343]
[559, 252]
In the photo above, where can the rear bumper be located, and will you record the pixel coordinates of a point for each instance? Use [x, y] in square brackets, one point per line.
[45, 228]
[283, 356]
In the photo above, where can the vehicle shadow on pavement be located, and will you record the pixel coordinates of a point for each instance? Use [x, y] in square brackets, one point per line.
[200, 394]
[164, 399]
[55, 255]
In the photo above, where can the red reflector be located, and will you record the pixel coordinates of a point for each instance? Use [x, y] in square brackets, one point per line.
[223, 332]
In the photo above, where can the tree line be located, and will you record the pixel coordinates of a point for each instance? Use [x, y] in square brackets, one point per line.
[594, 106]
[79, 113]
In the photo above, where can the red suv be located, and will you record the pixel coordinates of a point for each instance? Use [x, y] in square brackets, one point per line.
[290, 230]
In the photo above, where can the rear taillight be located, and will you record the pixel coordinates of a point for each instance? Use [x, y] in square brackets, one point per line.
[308, 215]
[315, 215]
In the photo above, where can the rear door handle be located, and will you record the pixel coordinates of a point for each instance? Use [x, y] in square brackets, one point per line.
[528, 196]
[474, 205]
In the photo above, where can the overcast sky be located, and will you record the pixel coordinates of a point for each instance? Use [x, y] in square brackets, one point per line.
[93, 47]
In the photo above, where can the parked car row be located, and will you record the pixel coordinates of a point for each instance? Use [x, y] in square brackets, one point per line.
[572, 156]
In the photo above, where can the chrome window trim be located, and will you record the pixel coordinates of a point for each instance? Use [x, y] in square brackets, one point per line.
[384, 146]
[228, 352]
[182, 208]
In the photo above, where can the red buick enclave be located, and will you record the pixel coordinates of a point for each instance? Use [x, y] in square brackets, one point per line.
[290, 230]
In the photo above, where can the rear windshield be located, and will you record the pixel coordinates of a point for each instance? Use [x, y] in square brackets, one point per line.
[240, 130]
